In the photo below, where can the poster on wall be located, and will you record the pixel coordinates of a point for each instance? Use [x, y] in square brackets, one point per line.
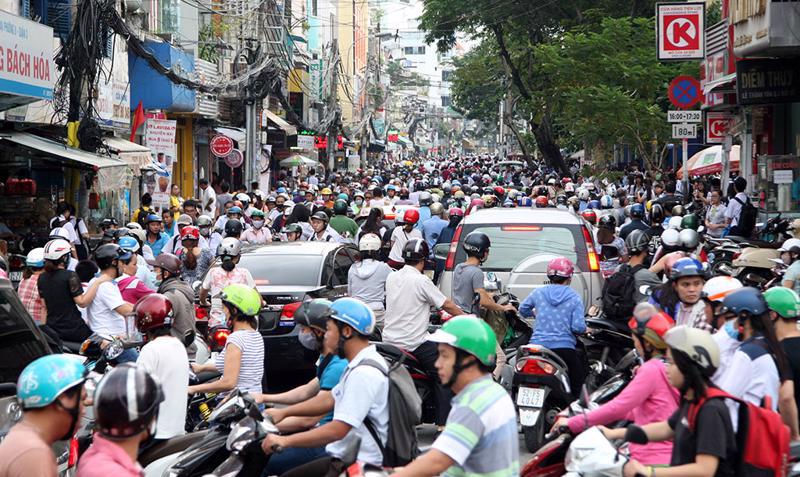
[159, 137]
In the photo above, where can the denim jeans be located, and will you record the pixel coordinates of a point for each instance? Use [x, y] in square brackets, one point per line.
[291, 458]
[130, 355]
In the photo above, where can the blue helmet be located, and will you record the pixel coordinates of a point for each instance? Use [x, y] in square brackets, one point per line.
[128, 244]
[687, 267]
[593, 204]
[391, 187]
[745, 300]
[42, 381]
[637, 211]
[234, 210]
[281, 190]
[524, 201]
[153, 218]
[606, 202]
[355, 313]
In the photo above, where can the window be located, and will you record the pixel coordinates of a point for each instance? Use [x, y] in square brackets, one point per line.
[408, 50]
[314, 7]
[280, 269]
[420, 50]
[446, 103]
[414, 50]
[447, 75]
[341, 267]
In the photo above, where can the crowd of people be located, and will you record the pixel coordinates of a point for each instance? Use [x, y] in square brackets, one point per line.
[694, 331]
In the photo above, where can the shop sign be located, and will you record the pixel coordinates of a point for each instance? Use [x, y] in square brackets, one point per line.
[234, 159]
[26, 57]
[159, 137]
[783, 177]
[221, 145]
[717, 126]
[764, 27]
[305, 142]
[766, 81]
[113, 103]
[680, 31]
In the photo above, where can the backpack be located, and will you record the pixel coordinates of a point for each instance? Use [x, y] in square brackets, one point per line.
[142, 218]
[747, 217]
[618, 293]
[762, 439]
[405, 413]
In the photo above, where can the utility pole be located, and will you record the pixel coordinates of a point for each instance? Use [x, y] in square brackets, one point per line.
[501, 135]
[332, 106]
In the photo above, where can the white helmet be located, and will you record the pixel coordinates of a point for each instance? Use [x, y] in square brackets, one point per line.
[60, 232]
[670, 237]
[697, 344]
[790, 245]
[369, 243]
[717, 288]
[606, 202]
[134, 226]
[56, 249]
[611, 190]
[583, 193]
[35, 258]
[569, 187]
[675, 222]
[242, 197]
[229, 247]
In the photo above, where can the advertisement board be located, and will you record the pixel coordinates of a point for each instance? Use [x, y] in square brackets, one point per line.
[159, 137]
[26, 57]
[680, 31]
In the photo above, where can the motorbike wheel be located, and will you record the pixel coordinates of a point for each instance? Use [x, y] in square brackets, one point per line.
[534, 435]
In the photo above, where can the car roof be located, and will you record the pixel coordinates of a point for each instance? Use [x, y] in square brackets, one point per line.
[292, 248]
[522, 215]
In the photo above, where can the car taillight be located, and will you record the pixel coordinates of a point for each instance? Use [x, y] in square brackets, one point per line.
[287, 313]
[220, 337]
[535, 366]
[200, 313]
[594, 262]
[450, 263]
[73, 452]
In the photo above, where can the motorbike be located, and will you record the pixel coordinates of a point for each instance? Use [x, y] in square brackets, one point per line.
[605, 343]
[752, 266]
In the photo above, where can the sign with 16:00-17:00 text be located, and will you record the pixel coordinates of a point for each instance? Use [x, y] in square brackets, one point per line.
[694, 116]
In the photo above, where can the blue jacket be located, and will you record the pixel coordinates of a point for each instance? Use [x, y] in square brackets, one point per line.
[559, 316]
[431, 229]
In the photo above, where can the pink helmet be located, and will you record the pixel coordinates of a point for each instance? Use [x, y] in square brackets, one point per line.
[560, 267]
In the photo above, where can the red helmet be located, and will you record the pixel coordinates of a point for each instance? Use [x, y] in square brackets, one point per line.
[499, 191]
[650, 324]
[153, 311]
[541, 201]
[477, 204]
[566, 180]
[190, 232]
[411, 216]
[590, 216]
[455, 212]
[560, 267]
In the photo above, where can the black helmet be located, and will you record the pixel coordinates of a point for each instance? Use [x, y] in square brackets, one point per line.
[607, 222]
[106, 254]
[119, 414]
[416, 250]
[321, 216]
[561, 199]
[108, 222]
[637, 241]
[340, 207]
[233, 228]
[314, 313]
[657, 213]
[476, 244]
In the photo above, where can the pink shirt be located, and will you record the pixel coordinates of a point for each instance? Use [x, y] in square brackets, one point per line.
[132, 289]
[104, 459]
[648, 398]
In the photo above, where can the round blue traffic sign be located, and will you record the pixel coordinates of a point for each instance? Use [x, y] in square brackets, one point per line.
[684, 92]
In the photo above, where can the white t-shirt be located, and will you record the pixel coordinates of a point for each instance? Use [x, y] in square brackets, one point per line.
[735, 208]
[400, 238]
[100, 312]
[205, 196]
[409, 298]
[166, 360]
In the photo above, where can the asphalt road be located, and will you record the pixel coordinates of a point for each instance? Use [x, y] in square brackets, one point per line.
[427, 431]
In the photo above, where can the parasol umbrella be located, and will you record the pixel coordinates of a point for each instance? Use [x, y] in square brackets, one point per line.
[297, 160]
[709, 161]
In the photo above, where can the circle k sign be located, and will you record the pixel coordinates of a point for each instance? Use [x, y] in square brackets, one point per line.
[221, 146]
[680, 30]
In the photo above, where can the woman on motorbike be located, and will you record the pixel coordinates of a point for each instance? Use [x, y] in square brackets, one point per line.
[709, 447]
[680, 297]
[649, 396]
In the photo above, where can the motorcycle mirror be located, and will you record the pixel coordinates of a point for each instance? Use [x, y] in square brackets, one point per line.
[636, 435]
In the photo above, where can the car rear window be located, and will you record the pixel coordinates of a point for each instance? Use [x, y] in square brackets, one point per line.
[512, 243]
[19, 345]
[283, 270]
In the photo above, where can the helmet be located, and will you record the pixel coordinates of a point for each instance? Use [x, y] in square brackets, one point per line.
[134, 226]
[593, 204]
[542, 190]
[717, 288]
[340, 207]
[168, 262]
[637, 211]
[257, 213]
[314, 313]
[675, 222]
[783, 301]
[583, 194]
[411, 216]
[416, 250]
[455, 212]
[606, 202]
[425, 198]
[657, 213]
[458, 195]
[369, 243]
[35, 258]
[470, 335]
[326, 191]
[184, 219]
[152, 218]
[354, 313]
[670, 259]
[139, 234]
[637, 241]
[436, 208]
[589, 216]
[204, 221]
[476, 244]
[243, 298]
[688, 239]
[108, 222]
[126, 401]
[670, 238]
[499, 192]
[229, 247]
[607, 222]
[561, 199]
[153, 311]
[650, 324]
[292, 228]
[105, 255]
[524, 201]
[560, 267]
[744, 301]
[541, 201]
[690, 221]
[678, 211]
[341, 196]
[190, 232]
[129, 244]
[790, 245]
[687, 267]
[697, 345]
[320, 215]
[233, 227]
[46, 378]
[60, 232]
[242, 197]
[234, 210]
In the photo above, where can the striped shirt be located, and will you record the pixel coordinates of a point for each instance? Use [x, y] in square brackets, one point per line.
[481, 432]
[252, 367]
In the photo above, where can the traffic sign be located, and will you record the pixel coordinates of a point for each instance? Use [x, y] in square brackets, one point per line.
[684, 131]
[680, 30]
[684, 92]
[693, 116]
[221, 146]
[234, 159]
[717, 125]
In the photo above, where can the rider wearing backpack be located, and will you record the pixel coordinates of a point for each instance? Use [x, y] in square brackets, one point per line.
[480, 437]
[741, 214]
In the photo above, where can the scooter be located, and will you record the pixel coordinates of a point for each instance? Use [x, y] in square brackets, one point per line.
[606, 343]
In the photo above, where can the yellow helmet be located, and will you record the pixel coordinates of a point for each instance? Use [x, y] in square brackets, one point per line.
[326, 191]
[648, 205]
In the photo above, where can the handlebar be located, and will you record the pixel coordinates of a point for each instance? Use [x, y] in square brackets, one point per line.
[556, 432]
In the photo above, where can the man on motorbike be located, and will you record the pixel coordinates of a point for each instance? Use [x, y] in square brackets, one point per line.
[367, 277]
[50, 392]
[180, 296]
[644, 281]
[480, 437]
[790, 252]
[636, 223]
[360, 397]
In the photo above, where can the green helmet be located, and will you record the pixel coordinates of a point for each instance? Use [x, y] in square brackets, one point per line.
[469, 334]
[243, 298]
[783, 301]
[690, 221]
[257, 213]
[340, 207]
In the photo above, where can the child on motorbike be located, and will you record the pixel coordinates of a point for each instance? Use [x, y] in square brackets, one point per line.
[649, 396]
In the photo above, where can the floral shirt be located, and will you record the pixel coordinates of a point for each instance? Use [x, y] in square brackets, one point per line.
[215, 281]
[28, 292]
[204, 261]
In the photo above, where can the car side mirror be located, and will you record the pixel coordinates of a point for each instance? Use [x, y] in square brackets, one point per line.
[440, 251]
[267, 322]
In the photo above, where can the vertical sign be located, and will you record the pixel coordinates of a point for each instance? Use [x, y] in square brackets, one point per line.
[680, 31]
[159, 137]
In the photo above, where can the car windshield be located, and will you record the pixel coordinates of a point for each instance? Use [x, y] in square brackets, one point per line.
[283, 270]
[19, 345]
[512, 243]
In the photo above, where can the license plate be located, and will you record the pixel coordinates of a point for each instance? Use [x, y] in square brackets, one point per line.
[530, 397]
[528, 417]
[15, 276]
[711, 257]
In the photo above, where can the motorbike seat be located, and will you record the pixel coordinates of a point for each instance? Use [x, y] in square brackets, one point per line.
[170, 446]
[394, 353]
[753, 242]
[72, 346]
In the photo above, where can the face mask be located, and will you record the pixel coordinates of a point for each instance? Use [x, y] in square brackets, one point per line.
[732, 330]
[228, 265]
[157, 283]
[359, 201]
[205, 231]
[258, 224]
[309, 341]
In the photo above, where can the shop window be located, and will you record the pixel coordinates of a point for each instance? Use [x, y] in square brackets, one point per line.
[779, 183]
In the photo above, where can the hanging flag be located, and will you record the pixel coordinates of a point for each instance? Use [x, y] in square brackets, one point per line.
[138, 120]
